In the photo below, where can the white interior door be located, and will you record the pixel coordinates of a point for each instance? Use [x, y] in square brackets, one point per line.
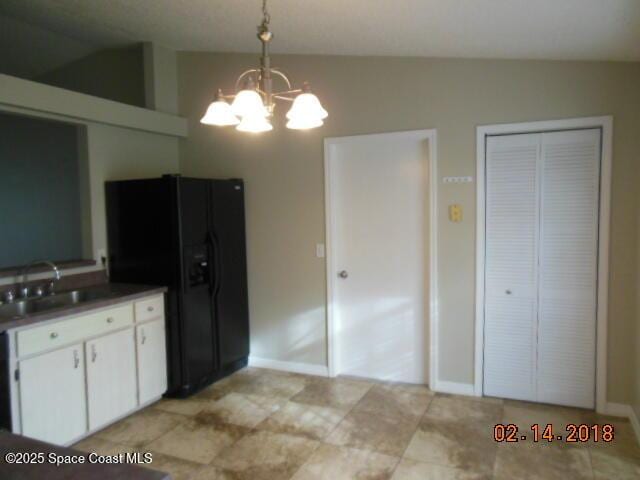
[570, 180]
[378, 209]
[542, 208]
[511, 266]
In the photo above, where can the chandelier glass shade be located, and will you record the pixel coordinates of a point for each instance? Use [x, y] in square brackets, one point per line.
[306, 110]
[304, 124]
[248, 103]
[220, 113]
[254, 124]
[252, 107]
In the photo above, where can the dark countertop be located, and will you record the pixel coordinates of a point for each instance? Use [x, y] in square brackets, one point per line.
[10, 443]
[117, 293]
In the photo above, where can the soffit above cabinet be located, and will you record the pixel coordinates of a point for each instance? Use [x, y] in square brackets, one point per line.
[23, 96]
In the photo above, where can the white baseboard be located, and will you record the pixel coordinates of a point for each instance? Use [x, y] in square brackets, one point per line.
[454, 388]
[294, 367]
[635, 423]
[623, 410]
[617, 410]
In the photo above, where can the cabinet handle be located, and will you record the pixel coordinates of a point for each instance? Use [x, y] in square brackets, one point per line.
[144, 337]
[149, 309]
[54, 335]
[109, 319]
[94, 354]
[76, 359]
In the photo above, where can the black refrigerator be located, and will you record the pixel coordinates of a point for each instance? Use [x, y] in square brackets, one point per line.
[187, 234]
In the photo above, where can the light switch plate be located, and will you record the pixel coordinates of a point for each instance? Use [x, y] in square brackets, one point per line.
[455, 213]
[320, 250]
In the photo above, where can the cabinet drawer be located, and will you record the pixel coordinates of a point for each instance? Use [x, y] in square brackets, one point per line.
[38, 339]
[150, 308]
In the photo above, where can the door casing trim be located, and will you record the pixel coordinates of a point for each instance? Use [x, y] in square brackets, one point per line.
[606, 124]
[330, 144]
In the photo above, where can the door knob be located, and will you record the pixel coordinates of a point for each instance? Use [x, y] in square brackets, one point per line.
[343, 274]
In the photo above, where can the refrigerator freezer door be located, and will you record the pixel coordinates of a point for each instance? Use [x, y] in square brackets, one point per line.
[197, 313]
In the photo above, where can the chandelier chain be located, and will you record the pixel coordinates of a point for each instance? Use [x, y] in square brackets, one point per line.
[266, 17]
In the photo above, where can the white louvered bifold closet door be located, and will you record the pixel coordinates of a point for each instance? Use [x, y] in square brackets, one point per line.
[568, 267]
[511, 266]
[542, 209]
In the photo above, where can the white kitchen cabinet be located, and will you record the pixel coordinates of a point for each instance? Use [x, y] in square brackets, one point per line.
[111, 377]
[152, 360]
[38, 339]
[74, 375]
[150, 309]
[52, 395]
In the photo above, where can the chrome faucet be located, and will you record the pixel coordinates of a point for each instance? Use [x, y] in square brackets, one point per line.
[9, 296]
[24, 290]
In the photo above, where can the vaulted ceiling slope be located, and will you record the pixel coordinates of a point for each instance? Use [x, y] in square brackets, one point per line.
[528, 29]
[28, 51]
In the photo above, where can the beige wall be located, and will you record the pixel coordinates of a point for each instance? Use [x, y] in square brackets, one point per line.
[636, 379]
[283, 171]
[116, 153]
[115, 74]
[160, 78]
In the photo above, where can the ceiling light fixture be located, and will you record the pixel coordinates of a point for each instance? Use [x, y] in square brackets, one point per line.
[253, 105]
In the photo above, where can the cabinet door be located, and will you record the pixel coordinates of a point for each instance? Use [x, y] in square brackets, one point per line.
[111, 377]
[52, 396]
[152, 361]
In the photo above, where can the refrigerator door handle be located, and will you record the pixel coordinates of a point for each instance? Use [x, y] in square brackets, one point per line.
[212, 274]
[217, 263]
[214, 268]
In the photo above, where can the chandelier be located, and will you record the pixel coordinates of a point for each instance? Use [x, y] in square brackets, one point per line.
[254, 102]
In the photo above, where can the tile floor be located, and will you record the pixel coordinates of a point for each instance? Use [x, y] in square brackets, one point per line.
[261, 424]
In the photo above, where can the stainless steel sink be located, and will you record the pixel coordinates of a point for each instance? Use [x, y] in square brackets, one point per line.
[71, 298]
[20, 308]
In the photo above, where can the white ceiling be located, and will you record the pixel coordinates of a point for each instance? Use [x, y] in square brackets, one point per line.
[532, 29]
